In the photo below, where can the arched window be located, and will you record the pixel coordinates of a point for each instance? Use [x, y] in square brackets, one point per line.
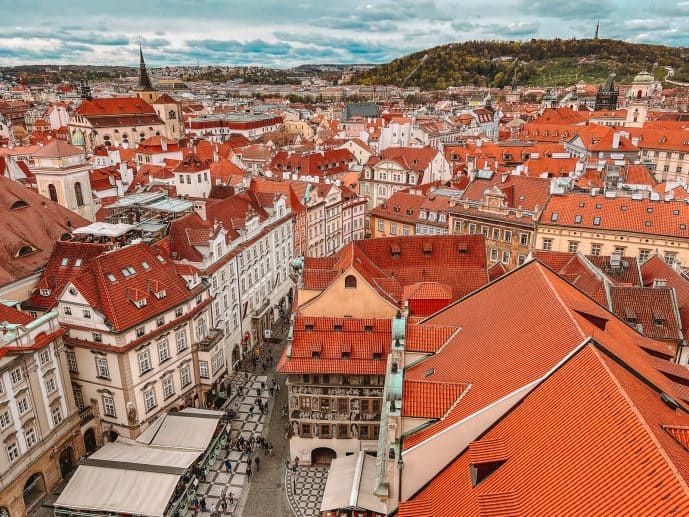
[25, 250]
[172, 114]
[638, 94]
[350, 282]
[78, 194]
[52, 192]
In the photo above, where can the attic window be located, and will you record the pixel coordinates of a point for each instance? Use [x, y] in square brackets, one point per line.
[140, 303]
[658, 319]
[377, 356]
[19, 204]
[315, 354]
[160, 259]
[462, 249]
[64, 261]
[554, 217]
[308, 328]
[77, 262]
[429, 372]
[427, 249]
[582, 204]
[649, 210]
[45, 292]
[682, 226]
[647, 223]
[128, 271]
[346, 355]
[111, 277]
[25, 250]
[350, 282]
[577, 219]
[630, 316]
[145, 265]
[624, 208]
[337, 328]
[410, 211]
[160, 294]
[596, 221]
[675, 212]
[480, 471]
[599, 206]
[368, 328]
[72, 291]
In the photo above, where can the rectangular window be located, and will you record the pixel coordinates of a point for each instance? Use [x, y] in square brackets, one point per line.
[203, 369]
[644, 254]
[56, 413]
[5, 419]
[149, 399]
[140, 331]
[595, 249]
[50, 385]
[496, 234]
[12, 451]
[521, 259]
[144, 362]
[547, 244]
[620, 250]
[44, 357]
[494, 254]
[160, 321]
[381, 225]
[102, 368]
[16, 376]
[168, 387]
[163, 351]
[87, 314]
[670, 257]
[78, 397]
[505, 257]
[393, 229]
[181, 337]
[185, 376]
[30, 435]
[405, 230]
[109, 406]
[472, 229]
[523, 239]
[178, 312]
[573, 246]
[508, 236]
[23, 405]
[68, 311]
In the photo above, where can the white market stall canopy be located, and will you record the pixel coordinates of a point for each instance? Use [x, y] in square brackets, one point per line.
[139, 476]
[350, 485]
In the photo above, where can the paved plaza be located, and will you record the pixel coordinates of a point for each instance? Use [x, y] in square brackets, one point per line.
[305, 489]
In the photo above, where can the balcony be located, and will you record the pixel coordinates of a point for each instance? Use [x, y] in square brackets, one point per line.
[211, 339]
[85, 415]
[353, 416]
[336, 391]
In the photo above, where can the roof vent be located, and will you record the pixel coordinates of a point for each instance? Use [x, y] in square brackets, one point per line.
[669, 401]
[429, 372]
[659, 282]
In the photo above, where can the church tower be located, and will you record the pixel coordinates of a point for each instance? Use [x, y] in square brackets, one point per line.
[639, 100]
[62, 175]
[145, 90]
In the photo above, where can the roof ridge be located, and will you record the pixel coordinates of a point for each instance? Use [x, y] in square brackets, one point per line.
[647, 429]
[562, 302]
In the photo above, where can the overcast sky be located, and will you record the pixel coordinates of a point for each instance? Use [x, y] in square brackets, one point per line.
[287, 33]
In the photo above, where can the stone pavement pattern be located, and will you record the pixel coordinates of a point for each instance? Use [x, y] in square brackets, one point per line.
[305, 489]
[244, 424]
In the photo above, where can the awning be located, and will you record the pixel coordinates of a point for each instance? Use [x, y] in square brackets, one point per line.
[139, 476]
[350, 485]
[190, 429]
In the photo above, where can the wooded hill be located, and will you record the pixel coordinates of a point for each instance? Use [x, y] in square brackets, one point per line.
[537, 62]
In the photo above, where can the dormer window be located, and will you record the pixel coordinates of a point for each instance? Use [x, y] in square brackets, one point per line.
[78, 262]
[160, 259]
[145, 265]
[377, 356]
[337, 328]
[128, 271]
[368, 328]
[140, 303]
[346, 355]
[111, 277]
[315, 354]
[554, 217]
[64, 262]
[45, 292]
[308, 328]
[160, 294]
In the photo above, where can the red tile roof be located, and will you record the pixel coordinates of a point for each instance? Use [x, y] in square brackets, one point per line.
[654, 309]
[656, 270]
[476, 353]
[318, 335]
[667, 218]
[409, 158]
[114, 298]
[114, 106]
[590, 413]
[29, 220]
[58, 149]
[429, 399]
[520, 191]
[67, 260]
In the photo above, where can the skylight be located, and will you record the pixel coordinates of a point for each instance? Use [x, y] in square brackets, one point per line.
[64, 261]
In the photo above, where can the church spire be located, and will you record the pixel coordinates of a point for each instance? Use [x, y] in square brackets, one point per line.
[144, 80]
[595, 36]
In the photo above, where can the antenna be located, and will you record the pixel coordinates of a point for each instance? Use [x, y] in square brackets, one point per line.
[595, 36]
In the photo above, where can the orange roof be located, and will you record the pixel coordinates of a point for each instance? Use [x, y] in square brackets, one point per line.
[114, 106]
[429, 399]
[563, 116]
[58, 149]
[592, 413]
[668, 218]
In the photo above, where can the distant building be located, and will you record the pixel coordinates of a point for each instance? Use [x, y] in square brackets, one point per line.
[607, 94]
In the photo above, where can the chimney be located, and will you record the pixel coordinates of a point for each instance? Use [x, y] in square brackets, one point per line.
[163, 144]
[215, 153]
[616, 140]
[200, 209]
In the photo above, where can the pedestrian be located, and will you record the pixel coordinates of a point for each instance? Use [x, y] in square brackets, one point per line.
[271, 390]
[286, 464]
[204, 508]
[248, 472]
[257, 461]
[270, 449]
[228, 466]
[224, 506]
[240, 390]
[230, 498]
[263, 385]
[277, 387]
[251, 409]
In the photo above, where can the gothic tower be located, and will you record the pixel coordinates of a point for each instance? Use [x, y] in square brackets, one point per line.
[145, 90]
